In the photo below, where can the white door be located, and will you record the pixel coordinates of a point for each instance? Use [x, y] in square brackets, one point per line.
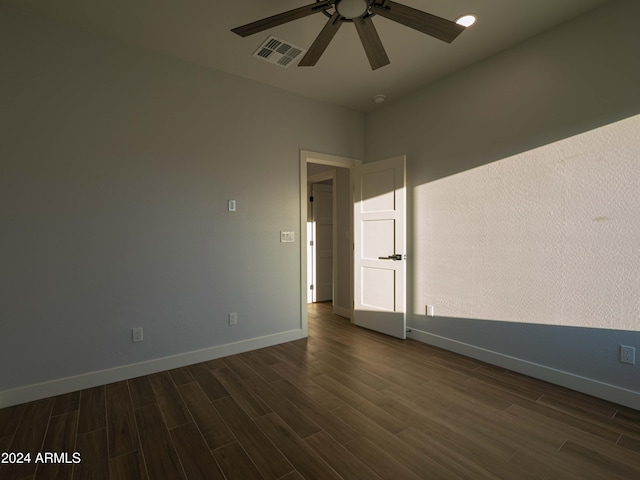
[322, 207]
[380, 247]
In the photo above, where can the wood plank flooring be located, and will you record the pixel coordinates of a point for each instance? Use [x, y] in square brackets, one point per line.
[345, 403]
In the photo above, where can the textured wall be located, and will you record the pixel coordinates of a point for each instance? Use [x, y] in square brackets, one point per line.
[548, 236]
[516, 225]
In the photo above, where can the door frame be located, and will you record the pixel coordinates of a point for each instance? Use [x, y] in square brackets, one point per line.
[307, 156]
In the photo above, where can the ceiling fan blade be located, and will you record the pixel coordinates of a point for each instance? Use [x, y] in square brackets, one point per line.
[275, 20]
[424, 22]
[371, 42]
[321, 42]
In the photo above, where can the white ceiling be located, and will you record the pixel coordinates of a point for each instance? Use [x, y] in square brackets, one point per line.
[198, 31]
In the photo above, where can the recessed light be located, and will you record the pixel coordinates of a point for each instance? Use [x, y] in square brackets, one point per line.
[379, 98]
[467, 20]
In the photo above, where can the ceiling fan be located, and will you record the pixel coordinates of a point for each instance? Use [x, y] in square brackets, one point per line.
[358, 12]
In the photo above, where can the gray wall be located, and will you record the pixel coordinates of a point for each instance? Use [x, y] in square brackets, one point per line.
[116, 167]
[580, 76]
[345, 242]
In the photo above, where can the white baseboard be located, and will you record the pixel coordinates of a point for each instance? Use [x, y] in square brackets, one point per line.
[79, 382]
[589, 386]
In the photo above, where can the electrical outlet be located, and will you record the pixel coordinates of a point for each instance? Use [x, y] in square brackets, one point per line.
[430, 311]
[137, 334]
[627, 354]
[233, 318]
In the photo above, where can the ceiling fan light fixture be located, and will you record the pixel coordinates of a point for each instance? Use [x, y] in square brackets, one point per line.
[359, 13]
[351, 9]
[467, 20]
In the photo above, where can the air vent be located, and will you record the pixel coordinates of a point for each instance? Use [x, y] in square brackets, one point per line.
[278, 51]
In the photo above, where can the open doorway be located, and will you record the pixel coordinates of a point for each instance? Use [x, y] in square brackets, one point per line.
[323, 169]
[322, 233]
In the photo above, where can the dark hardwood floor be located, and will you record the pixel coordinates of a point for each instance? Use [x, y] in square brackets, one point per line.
[345, 403]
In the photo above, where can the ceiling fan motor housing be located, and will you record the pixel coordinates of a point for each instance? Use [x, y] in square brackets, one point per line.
[351, 9]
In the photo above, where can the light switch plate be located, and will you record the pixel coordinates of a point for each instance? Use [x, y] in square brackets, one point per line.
[232, 205]
[287, 237]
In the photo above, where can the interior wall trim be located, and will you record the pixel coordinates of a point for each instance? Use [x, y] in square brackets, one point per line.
[92, 379]
[589, 386]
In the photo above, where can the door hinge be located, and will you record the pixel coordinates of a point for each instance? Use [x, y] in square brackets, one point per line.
[311, 198]
[311, 243]
[310, 287]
